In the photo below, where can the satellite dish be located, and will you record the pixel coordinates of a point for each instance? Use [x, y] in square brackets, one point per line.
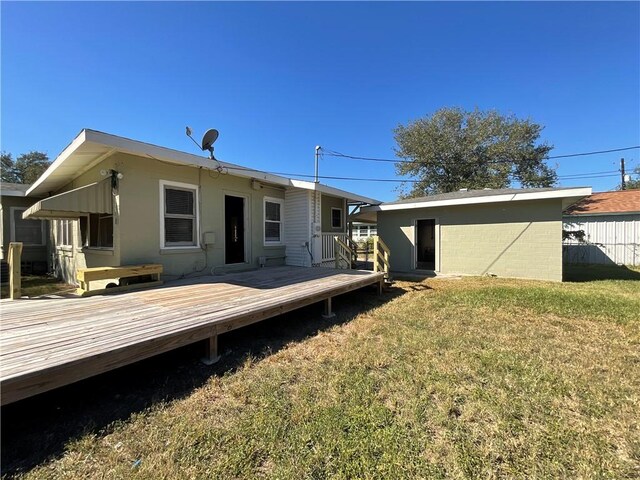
[209, 139]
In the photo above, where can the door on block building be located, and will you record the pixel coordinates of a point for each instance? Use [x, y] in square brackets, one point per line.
[426, 244]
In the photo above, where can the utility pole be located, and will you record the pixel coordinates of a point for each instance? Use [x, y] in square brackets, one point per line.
[623, 184]
[317, 155]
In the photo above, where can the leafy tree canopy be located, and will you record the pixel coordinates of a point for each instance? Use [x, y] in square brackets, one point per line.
[454, 149]
[25, 169]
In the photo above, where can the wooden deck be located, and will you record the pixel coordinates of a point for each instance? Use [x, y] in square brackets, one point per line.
[50, 342]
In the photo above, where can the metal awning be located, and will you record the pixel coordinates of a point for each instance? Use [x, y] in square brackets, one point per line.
[93, 198]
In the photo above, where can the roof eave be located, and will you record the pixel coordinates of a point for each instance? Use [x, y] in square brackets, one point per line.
[333, 191]
[599, 214]
[60, 159]
[569, 194]
[115, 143]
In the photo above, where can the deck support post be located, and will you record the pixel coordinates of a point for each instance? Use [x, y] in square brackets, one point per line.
[211, 350]
[15, 272]
[381, 286]
[328, 313]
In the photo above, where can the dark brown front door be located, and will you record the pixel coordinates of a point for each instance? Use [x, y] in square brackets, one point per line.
[234, 229]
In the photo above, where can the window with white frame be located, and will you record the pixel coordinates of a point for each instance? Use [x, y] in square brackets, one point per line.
[273, 221]
[96, 230]
[64, 233]
[179, 218]
[29, 232]
[336, 217]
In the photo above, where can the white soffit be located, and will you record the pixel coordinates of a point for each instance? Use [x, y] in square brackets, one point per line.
[569, 196]
[332, 191]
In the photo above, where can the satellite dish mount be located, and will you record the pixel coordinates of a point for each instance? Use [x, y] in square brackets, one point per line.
[208, 140]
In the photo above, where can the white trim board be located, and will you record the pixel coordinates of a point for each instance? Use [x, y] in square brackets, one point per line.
[279, 201]
[161, 209]
[510, 197]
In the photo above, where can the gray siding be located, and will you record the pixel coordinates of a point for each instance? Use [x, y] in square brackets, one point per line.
[30, 253]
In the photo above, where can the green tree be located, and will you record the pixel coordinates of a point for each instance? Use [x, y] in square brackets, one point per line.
[8, 168]
[454, 149]
[634, 183]
[26, 168]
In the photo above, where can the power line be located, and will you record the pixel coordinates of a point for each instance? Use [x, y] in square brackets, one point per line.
[302, 175]
[616, 172]
[588, 176]
[578, 176]
[333, 153]
[594, 153]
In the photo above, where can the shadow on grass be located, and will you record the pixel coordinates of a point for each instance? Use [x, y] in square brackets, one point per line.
[33, 285]
[589, 273]
[36, 429]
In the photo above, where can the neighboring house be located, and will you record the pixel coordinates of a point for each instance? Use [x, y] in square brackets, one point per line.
[34, 234]
[116, 201]
[504, 232]
[362, 231]
[611, 223]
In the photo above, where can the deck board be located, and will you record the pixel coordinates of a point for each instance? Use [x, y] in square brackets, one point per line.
[46, 343]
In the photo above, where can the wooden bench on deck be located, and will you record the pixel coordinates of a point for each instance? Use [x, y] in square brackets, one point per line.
[88, 275]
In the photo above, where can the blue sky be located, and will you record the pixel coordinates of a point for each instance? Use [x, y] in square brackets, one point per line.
[277, 79]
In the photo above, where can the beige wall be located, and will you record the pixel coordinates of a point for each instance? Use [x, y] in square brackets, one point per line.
[519, 239]
[137, 217]
[329, 202]
[30, 253]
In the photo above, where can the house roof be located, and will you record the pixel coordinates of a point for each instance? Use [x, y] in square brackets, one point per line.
[625, 201]
[13, 189]
[474, 197]
[91, 147]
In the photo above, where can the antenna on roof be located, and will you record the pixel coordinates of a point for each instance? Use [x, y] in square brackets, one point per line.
[208, 140]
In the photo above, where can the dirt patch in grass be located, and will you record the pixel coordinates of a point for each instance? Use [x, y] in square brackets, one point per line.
[479, 378]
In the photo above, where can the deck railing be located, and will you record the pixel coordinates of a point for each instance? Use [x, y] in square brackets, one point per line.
[381, 254]
[328, 248]
[345, 253]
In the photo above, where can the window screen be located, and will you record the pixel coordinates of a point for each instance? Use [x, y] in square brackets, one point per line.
[179, 202]
[179, 217]
[336, 218]
[29, 232]
[64, 233]
[272, 222]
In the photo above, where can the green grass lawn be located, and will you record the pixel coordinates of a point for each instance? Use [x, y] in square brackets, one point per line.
[468, 378]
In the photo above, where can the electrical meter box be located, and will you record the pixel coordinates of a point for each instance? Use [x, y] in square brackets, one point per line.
[209, 238]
